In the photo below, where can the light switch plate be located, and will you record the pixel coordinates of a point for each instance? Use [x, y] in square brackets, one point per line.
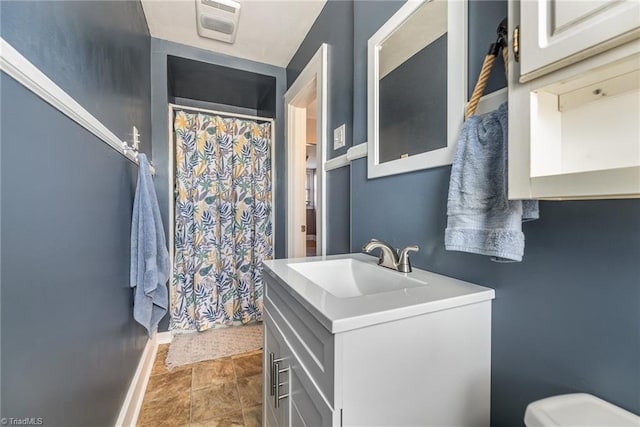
[338, 137]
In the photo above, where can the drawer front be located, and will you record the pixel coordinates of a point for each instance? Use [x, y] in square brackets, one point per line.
[312, 343]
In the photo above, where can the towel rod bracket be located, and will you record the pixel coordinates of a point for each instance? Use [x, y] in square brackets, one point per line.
[501, 41]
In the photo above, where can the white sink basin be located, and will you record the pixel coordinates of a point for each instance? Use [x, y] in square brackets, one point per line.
[349, 278]
[349, 291]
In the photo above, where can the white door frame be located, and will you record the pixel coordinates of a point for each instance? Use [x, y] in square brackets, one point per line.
[312, 79]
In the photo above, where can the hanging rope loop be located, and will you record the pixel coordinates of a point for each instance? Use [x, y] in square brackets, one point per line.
[501, 43]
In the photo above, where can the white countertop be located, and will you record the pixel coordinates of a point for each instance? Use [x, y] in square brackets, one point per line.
[344, 314]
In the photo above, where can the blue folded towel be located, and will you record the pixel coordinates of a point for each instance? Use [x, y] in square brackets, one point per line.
[481, 218]
[149, 256]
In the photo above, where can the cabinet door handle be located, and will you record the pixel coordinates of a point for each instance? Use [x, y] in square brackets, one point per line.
[278, 397]
[272, 388]
[273, 366]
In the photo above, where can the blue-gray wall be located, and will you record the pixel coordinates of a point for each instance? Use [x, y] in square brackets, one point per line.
[202, 81]
[69, 343]
[96, 51]
[566, 319]
[333, 26]
[160, 97]
[484, 18]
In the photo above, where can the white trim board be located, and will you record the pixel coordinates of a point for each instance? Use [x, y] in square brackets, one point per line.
[357, 151]
[135, 395]
[488, 102]
[221, 113]
[336, 162]
[28, 75]
[353, 153]
[165, 337]
[492, 101]
[314, 76]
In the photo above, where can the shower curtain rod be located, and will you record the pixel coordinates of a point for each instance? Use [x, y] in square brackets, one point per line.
[221, 113]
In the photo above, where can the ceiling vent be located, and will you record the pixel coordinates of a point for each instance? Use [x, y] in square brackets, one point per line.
[218, 19]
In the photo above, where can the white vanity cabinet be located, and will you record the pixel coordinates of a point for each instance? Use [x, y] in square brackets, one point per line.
[574, 99]
[423, 364]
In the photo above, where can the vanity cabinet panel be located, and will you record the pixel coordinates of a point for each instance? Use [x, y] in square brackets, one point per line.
[311, 341]
[574, 103]
[428, 369]
[557, 33]
[308, 406]
[304, 404]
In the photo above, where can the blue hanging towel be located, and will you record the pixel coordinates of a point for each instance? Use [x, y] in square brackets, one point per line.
[481, 219]
[149, 255]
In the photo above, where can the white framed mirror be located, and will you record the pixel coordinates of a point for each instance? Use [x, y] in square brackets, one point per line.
[417, 87]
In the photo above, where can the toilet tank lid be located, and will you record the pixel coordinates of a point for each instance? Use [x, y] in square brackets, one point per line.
[579, 409]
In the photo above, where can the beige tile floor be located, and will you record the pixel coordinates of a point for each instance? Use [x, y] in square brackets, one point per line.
[217, 393]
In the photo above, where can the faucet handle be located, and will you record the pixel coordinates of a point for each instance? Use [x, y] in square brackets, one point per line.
[404, 265]
[410, 248]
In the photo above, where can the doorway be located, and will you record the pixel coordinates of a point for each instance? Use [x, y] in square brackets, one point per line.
[306, 133]
[310, 180]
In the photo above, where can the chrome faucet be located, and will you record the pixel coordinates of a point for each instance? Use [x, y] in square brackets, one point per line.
[389, 257]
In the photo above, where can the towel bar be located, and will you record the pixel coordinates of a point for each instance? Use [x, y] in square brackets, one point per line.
[126, 149]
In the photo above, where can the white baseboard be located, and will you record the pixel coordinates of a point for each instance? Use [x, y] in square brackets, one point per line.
[165, 337]
[135, 395]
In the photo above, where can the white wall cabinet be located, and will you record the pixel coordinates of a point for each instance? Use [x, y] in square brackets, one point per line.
[430, 369]
[574, 100]
[557, 33]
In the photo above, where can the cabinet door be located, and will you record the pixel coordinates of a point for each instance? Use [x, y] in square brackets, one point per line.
[567, 140]
[308, 406]
[556, 33]
[304, 405]
[274, 349]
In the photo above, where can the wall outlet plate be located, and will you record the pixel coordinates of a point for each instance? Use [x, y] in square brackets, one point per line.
[339, 136]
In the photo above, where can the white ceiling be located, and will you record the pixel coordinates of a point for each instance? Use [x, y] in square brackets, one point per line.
[269, 31]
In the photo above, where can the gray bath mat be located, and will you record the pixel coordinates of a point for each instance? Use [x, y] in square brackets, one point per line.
[213, 344]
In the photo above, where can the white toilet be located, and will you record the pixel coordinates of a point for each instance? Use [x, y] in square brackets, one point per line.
[577, 410]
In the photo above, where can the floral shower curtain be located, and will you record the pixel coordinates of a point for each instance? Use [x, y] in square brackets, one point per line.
[223, 227]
